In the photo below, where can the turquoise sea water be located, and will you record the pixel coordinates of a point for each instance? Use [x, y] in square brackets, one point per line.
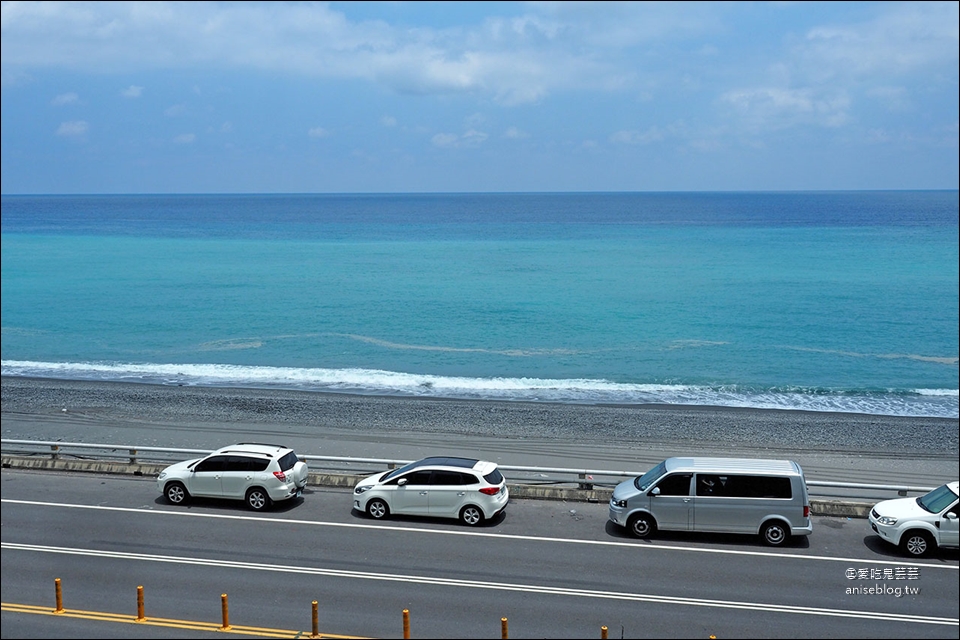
[815, 301]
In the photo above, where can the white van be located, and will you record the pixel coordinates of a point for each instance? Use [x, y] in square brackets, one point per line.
[718, 495]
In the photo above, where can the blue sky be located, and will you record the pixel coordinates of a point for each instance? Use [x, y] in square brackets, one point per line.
[209, 97]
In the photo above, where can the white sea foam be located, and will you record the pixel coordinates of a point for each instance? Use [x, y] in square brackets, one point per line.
[941, 403]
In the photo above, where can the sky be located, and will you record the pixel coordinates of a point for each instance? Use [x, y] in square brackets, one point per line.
[397, 97]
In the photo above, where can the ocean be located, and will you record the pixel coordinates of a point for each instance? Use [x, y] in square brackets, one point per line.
[816, 301]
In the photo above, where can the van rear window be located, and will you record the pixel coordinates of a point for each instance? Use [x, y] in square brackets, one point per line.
[733, 486]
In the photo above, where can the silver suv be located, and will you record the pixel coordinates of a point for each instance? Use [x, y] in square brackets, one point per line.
[258, 474]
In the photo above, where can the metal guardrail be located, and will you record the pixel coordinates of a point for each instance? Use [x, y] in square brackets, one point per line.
[583, 478]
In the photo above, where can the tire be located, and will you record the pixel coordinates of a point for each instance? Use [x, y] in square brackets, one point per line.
[775, 534]
[175, 493]
[471, 516]
[642, 525]
[377, 509]
[917, 543]
[257, 499]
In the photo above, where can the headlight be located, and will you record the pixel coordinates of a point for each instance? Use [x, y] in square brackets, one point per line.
[361, 489]
[618, 503]
[887, 520]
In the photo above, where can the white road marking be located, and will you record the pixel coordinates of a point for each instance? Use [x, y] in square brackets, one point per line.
[905, 562]
[498, 586]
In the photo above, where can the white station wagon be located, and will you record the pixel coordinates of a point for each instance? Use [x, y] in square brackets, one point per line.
[442, 487]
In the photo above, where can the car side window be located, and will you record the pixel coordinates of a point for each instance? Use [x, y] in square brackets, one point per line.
[447, 478]
[245, 463]
[235, 463]
[211, 464]
[469, 478]
[709, 485]
[675, 485]
[418, 477]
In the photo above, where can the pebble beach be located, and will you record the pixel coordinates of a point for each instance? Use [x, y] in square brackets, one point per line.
[513, 432]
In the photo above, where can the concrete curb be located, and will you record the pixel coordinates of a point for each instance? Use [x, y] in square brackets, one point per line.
[837, 508]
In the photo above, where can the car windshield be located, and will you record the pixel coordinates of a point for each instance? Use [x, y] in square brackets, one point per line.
[937, 500]
[403, 469]
[649, 477]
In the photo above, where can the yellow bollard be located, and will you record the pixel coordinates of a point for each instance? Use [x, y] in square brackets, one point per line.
[316, 621]
[503, 629]
[59, 608]
[406, 623]
[226, 612]
[603, 632]
[140, 617]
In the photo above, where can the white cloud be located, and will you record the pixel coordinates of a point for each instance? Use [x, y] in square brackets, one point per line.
[73, 129]
[175, 110]
[388, 121]
[185, 138]
[649, 136]
[444, 140]
[771, 108]
[470, 138]
[513, 61]
[318, 132]
[65, 98]
[133, 91]
[907, 37]
[515, 134]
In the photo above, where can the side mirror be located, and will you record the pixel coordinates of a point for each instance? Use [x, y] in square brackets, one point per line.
[950, 516]
[401, 482]
[655, 491]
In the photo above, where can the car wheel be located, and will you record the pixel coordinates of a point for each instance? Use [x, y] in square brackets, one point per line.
[257, 499]
[774, 534]
[377, 509]
[642, 525]
[176, 493]
[471, 515]
[916, 543]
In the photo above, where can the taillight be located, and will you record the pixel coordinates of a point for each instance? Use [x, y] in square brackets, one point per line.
[490, 491]
[281, 476]
[806, 511]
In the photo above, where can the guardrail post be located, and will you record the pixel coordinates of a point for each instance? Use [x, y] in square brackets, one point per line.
[224, 609]
[133, 456]
[503, 629]
[59, 608]
[406, 624]
[316, 621]
[588, 486]
[140, 617]
[54, 452]
[603, 632]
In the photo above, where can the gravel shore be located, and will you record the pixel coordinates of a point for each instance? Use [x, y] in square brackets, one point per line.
[116, 404]
[833, 447]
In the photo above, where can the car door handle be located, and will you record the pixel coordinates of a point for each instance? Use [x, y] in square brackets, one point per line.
[461, 494]
[423, 493]
[686, 499]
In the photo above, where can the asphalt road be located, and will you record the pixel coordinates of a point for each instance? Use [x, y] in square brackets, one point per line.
[552, 569]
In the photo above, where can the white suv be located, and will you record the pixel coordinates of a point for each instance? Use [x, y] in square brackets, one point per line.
[920, 525]
[258, 474]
